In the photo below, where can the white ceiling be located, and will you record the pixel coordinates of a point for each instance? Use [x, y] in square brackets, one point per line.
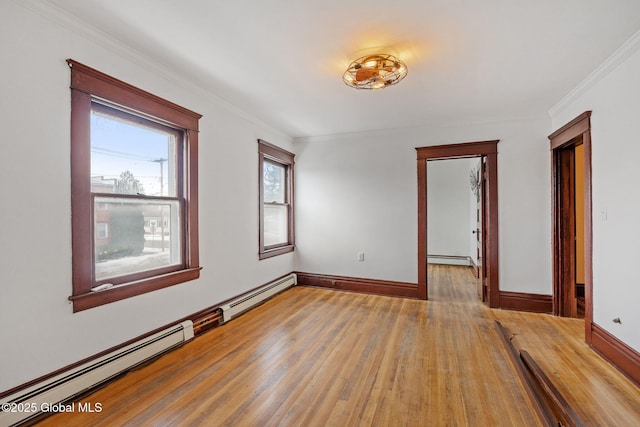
[282, 60]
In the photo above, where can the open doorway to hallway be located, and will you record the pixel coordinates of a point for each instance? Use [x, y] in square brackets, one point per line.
[455, 215]
[488, 151]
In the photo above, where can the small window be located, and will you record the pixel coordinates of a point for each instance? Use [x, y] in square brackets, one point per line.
[134, 190]
[276, 200]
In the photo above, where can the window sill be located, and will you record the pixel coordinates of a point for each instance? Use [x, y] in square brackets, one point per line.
[268, 253]
[94, 299]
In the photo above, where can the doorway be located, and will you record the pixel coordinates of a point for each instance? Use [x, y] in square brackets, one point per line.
[569, 166]
[572, 219]
[487, 151]
[454, 217]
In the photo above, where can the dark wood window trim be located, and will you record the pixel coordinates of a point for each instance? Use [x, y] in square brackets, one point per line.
[271, 153]
[87, 86]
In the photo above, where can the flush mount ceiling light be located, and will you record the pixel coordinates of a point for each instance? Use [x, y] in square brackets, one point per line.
[374, 72]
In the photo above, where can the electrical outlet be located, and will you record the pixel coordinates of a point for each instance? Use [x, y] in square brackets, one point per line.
[360, 256]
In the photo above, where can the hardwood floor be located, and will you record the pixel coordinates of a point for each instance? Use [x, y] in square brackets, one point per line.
[595, 390]
[317, 357]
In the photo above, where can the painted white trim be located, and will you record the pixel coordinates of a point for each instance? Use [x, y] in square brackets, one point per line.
[610, 64]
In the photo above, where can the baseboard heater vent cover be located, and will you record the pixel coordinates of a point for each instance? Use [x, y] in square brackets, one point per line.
[63, 387]
[245, 302]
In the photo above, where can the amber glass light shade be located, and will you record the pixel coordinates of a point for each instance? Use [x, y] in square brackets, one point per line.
[374, 72]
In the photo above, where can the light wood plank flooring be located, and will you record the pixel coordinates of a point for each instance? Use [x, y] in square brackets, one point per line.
[316, 357]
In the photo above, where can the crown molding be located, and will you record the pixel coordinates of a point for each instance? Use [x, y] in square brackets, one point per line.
[56, 14]
[422, 127]
[623, 53]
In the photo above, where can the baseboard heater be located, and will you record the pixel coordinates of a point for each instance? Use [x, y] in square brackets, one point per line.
[450, 260]
[245, 302]
[74, 382]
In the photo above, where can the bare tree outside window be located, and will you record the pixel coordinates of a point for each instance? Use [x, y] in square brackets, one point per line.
[128, 184]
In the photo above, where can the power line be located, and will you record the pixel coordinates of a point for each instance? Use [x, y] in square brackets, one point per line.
[124, 155]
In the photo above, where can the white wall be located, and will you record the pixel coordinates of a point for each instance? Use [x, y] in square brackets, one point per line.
[613, 94]
[39, 332]
[449, 207]
[358, 192]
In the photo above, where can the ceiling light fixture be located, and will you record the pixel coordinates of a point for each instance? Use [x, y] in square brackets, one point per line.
[374, 72]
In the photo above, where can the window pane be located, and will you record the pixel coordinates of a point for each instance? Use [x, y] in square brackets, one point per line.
[102, 230]
[130, 158]
[275, 225]
[274, 176]
[134, 236]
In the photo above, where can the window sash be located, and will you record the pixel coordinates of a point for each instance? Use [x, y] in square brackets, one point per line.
[275, 235]
[280, 195]
[173, 242]
[175, 149]
[103, 262]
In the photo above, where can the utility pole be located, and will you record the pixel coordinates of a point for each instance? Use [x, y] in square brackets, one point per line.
[161, 163]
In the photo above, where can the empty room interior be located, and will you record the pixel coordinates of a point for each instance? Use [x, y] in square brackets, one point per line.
[319, 213]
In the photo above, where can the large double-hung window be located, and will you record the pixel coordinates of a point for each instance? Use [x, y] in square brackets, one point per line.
[134, 190]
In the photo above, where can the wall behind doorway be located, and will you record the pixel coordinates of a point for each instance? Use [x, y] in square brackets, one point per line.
[358, 192]
[451, 208]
